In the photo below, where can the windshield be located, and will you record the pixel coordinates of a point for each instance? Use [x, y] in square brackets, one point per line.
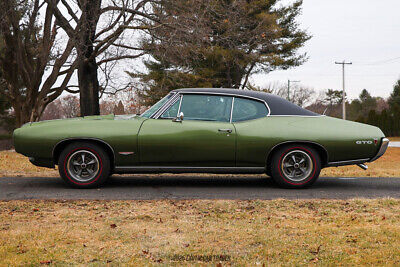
[156, 106]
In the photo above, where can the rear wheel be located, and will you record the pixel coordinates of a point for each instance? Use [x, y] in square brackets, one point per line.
[84, 165]
[295, 166]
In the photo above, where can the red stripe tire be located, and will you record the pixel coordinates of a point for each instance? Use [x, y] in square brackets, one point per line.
[295, 166]
[84, 165]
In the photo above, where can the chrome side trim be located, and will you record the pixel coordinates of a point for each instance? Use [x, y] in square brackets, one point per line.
[303, 116]
[161, 110]
[163, 169]
[382, 149]
[168, 105]
[83, 139]
[180, 104]
[233, 103]
[347, 162]
[126, 153]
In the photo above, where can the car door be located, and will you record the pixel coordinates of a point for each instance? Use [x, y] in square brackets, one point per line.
[204, 138]
[252, 132]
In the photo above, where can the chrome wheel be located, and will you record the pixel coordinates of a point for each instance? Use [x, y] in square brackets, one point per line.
[297, 165]
[83, 165]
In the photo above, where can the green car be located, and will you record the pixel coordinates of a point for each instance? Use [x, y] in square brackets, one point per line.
[202, 131]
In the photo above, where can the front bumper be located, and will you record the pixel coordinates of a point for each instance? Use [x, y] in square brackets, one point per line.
[382, 149]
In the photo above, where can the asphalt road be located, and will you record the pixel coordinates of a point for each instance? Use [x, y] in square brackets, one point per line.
[192, 187]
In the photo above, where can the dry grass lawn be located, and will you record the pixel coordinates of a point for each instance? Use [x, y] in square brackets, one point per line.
[328, 233]
[201, 232]
[13, 164]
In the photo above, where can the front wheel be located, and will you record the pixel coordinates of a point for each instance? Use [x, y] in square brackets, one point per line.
[84, 165]
[295, 166]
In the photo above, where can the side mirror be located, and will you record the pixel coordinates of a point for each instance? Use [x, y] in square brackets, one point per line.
[179, 118]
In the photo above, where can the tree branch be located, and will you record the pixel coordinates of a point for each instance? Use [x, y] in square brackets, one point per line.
[62, 21]
[119, 58]
[70, 11]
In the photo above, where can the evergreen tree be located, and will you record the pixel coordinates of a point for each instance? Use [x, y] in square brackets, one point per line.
[219, 43]
[333, 97]
[394, 100]
[368, 102]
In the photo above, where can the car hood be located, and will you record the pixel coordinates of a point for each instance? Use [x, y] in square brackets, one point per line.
[86, 118]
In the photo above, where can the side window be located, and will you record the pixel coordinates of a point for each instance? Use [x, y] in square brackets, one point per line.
[172, 111]
[156, 106]
[206, 107]
[247, 109]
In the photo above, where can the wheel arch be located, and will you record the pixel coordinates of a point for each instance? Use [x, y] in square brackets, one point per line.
[322, 152]
[59, 147]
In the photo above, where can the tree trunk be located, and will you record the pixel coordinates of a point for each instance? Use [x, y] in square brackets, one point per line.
[89, 88]
[87, 67]
[22, 115]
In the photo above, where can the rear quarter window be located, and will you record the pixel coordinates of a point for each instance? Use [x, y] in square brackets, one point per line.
[248, 109]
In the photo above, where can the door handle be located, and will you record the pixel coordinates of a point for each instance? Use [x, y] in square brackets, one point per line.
[225, 130]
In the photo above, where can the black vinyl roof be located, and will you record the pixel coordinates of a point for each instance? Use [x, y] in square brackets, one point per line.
[277, 105]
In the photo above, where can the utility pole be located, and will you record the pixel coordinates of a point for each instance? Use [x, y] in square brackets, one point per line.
[288, 88]
[344, 63]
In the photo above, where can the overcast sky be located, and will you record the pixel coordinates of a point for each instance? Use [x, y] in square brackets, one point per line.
[364, 32]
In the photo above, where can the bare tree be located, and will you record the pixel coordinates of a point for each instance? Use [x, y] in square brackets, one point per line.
[302, 96]
[62, 108]
[107, 107]
[70, 106]
[299, 95]
[96, 29]
[28, 49]
[53, 111]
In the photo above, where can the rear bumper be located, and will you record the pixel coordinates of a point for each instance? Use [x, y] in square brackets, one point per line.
[382, 149]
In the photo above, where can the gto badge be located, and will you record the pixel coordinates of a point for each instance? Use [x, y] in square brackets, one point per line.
[364, 142]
